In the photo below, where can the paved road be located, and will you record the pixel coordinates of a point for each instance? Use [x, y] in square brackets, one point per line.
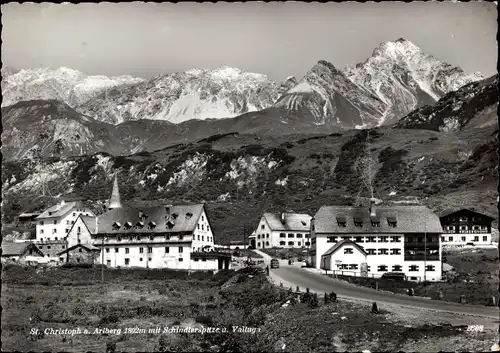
[295, 276]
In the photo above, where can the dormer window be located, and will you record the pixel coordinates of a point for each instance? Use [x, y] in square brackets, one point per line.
[181, 236]
[358, 222]
[128, 225]
[304, 223]
[116, 225]
[391, 221]
[341, 222]
[376, 224]
[175, 215]
[151, 225]
[167, 236]
[189, 215]
[170, 224]
[139, 225]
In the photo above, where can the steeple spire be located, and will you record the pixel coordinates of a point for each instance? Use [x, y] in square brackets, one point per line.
[114, 201]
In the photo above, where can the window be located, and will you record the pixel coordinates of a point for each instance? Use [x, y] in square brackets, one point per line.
[127, 262]
[149, 259]
[353, 267]
[463, 219]
[430, 268]
[167, 249]
[167, 237]
[383, 251]
[116, 249]
[150, 250]
[258, 236]
[462, 238]
[56, 238]
[196, 260]
[77, 260]
[202, 218]
[341, 224]
[307, 243]
[258, 245]
[41, 231]
[108, 262]
[331, 239]
[450, 238]
[371, 251]
[358, 239]
[262, 227]
[348, 251]
[202, 227]
[313, 241]
[308, 236]
[267, 235]
[48, 246]
[151, 237]
[55, 221]
[282, 242]
[54, 231]
[476, 238]
[397, 268]
[485, 238]
[383, 239]
[382, 268]
[442, 239]
[202, 238]
[391, 222]
[376, 224]
[267, 243]
[395, 239]
[74, 214]
[413, 268]
[358, 224]
[118, 238]
[450, 228]
[198, 237]
[107, 249]
[126, 250]
[370, 239]
[290, 235]
[41, 223]
[181, 259]
[140, 259]
[204, 260]
[395, 251]
[290, 243]
[282, 235]
[181, 249]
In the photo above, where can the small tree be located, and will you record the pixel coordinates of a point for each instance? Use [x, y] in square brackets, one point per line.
[374, 308]
[313, 301]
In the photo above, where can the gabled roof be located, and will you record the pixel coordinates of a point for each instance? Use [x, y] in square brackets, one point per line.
[449, 212]
[409, 219]
[340, 244]
[89, 247]
[17, 249]
[185, 219]
[293, 221]
[60, 210]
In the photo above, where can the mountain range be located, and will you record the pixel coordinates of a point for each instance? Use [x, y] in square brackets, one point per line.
[394, 81]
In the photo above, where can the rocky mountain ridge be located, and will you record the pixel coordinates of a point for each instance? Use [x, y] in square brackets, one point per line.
[67, 85]
[396, 79]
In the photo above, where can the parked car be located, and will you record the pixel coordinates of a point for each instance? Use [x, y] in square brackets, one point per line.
[275, 263]
[470, 244]
[394, 276]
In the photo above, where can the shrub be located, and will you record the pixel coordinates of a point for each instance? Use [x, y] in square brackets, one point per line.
[204, 320]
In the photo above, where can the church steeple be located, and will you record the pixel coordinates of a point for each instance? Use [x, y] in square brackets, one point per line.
[114, 201]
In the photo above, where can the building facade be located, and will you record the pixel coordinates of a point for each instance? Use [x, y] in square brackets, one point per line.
[462, 227]
[55, 223]
[395, 239]
[19, 252]
[284, 230]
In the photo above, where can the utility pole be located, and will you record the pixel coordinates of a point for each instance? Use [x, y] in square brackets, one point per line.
[102, 260]
[425, 251]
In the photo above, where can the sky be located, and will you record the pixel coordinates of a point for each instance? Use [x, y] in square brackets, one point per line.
[277, 39]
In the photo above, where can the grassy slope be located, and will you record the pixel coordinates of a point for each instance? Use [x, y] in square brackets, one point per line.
[75, 298]
[441, 170]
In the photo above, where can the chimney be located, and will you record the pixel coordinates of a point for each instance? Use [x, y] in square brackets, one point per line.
[282, 217]
[114, 201]
[167, 209]
[372, 208]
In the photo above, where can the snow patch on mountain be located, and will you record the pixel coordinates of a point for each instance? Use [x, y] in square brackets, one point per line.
[64, 84]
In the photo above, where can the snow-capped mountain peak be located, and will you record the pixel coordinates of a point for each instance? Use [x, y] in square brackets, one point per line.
[68, 85]
[404, 77]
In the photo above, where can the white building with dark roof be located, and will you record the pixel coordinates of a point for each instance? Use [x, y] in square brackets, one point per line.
[465, 226]
[166, 236]
[283, 230]
[395, 239]
[55, 222]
